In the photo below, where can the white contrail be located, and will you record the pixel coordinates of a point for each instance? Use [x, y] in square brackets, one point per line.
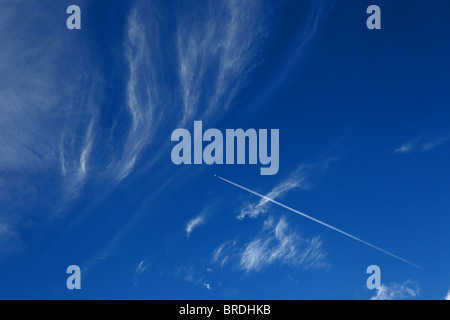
[318, 221]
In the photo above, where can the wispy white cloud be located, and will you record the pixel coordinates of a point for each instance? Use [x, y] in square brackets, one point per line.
[398, 291]
[207, 286]
[187, 273]
[255, 209]
[216, 48]
[181, 271]
[86, 150]
[405, 148]
[48, 97]
[37, 101]
[222, 254]
[300, 179]
[301, 45]
[144, 92]
[141, 268]
[421, 145]
[210, 49]
[216, 53]
[317, 221]
[447, 297]
[193, 223]
[276, 243]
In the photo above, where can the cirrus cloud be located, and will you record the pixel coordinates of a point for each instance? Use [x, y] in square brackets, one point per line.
[398, 291]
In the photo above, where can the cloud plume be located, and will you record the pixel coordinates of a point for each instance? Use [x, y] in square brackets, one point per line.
[421, 145]
[398, 291]
[275, 243]
[300, 179]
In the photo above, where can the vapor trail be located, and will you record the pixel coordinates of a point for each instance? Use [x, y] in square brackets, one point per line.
[318, 221]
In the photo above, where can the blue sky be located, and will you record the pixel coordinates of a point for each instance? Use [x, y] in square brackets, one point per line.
[86, 176]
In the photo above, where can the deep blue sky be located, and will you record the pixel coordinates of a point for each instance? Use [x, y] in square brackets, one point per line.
[86, 176]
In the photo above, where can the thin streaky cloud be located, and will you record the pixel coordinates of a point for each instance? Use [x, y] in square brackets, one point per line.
[398, 291]
[193, 223]
[421, 145]
[218, 51]
[207, 286]
[223, 42]
[142, 101]
[222, 54]
[276, 243]
[140, 269]
[404, 148]
[318, 221]
[49, 96]
[253, 210]
[300, 179]
[301, 45]
[85, 153]
[222, 254]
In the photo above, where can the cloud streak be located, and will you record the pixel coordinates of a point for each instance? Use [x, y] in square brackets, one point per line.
[421, 145]
[217, 52]
[194, 223]
[207, 286]
[275, 243]
[447, 297]
[213, 56]
[210, 51]
[300, 179]
[140, 269]
[398, 291]
[144, 91]
[318, 221]
[47, 116]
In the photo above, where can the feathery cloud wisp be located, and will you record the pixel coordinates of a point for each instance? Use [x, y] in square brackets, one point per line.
[222, 254]
[48, 98]
[398, 291]
[218, 54]
[143, 91]
[421, 145]
[207, 286]
[404, 148]
[140, 269]
[214, 55]
[255, 209]
[214, 51]
[193, 223]
[301, 179]
[317, 221]
[275, 243]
